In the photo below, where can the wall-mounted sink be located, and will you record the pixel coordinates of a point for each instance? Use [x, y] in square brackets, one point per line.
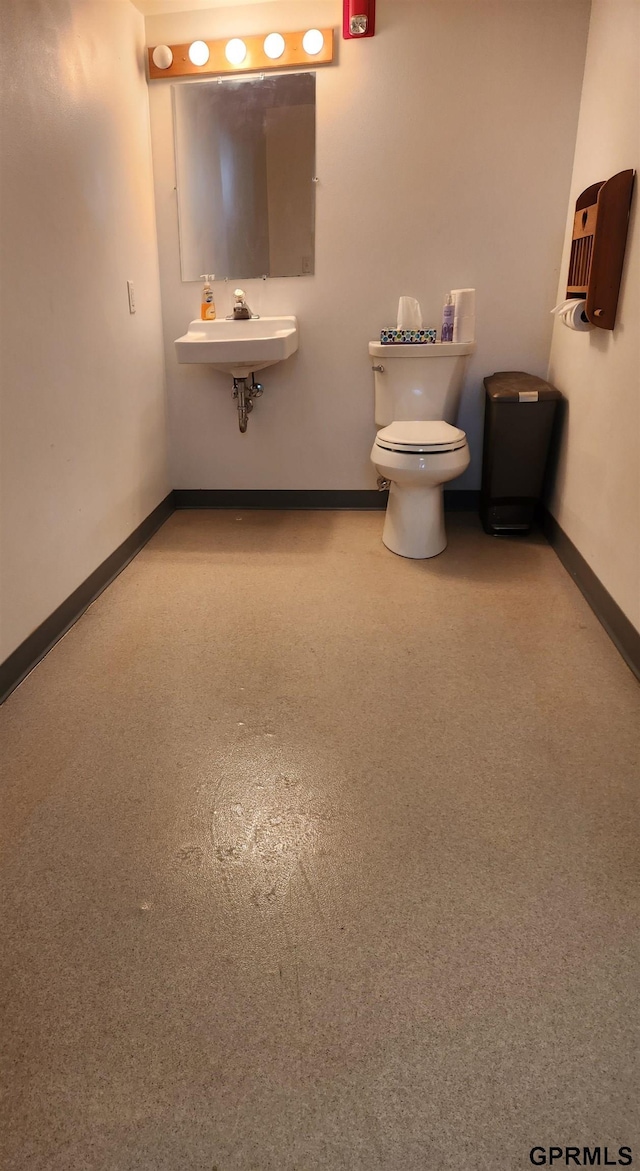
[239, 347]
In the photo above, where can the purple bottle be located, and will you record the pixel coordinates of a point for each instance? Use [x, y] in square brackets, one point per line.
[448, 313]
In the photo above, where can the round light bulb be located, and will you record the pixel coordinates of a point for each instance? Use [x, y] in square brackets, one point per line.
[162, 57]
[235, 51]
[274, 46]
[199, 53]
[312, 42]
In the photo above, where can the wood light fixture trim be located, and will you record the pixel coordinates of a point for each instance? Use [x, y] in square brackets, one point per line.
[599, 239]
[256, 59]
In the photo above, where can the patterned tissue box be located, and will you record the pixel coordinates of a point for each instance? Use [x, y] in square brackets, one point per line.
[397, 337]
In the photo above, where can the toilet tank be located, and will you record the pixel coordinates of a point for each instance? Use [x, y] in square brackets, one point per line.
[418, 381]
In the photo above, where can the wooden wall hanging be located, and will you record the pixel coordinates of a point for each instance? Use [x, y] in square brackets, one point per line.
[597, 249]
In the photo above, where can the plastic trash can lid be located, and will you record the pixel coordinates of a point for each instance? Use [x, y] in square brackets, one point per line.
[516, 386]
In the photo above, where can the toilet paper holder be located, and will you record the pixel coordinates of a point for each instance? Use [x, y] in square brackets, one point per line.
[598, 244]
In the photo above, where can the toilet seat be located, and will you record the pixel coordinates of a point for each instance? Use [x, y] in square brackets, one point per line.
[422, 436]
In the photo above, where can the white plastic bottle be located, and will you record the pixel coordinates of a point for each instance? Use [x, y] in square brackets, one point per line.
[207, 304]
[448, 314]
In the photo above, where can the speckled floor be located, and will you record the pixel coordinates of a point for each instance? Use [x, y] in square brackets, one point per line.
[315, 857]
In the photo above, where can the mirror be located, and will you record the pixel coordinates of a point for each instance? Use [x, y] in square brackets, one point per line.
[245, 163]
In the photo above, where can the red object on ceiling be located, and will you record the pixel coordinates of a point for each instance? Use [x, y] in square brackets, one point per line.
[358, 19]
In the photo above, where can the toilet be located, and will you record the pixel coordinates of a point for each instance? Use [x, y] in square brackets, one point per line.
[418, 448]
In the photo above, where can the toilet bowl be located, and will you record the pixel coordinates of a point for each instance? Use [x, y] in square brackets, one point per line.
[418, 448]
[418, 458]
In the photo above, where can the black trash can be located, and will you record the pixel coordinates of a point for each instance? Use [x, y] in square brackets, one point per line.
[520, 411]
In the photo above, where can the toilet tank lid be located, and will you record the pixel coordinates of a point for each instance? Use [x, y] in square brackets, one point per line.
[428, 350]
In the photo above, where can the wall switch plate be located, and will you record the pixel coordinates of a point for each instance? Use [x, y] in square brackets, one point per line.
[132, 297]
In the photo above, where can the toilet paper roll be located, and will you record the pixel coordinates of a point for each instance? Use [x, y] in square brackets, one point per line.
[409, 315]
[464, 329]
[572, 314]
[465, 302]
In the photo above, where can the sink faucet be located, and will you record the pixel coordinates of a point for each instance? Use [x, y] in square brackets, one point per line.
[241, 311]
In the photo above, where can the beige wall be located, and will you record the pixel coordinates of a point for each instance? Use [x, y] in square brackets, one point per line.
[597, 493]
[83, 455]
[444, 155]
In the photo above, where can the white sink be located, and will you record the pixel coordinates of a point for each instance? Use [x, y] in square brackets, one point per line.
[239, 347]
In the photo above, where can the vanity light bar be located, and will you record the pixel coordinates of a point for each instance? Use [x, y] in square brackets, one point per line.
[181, 61]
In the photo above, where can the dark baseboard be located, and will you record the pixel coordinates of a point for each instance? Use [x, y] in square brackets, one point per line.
[621, 631]
[35, 647]
[301, 499]
[277, 498]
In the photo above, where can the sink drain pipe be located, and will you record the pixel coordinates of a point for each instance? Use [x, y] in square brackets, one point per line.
[245, 396]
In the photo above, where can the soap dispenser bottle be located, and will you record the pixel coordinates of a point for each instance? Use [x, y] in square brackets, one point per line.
[448, 314]
[207, 305]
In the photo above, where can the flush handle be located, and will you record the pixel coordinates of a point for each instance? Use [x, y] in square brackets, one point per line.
[380, 369]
